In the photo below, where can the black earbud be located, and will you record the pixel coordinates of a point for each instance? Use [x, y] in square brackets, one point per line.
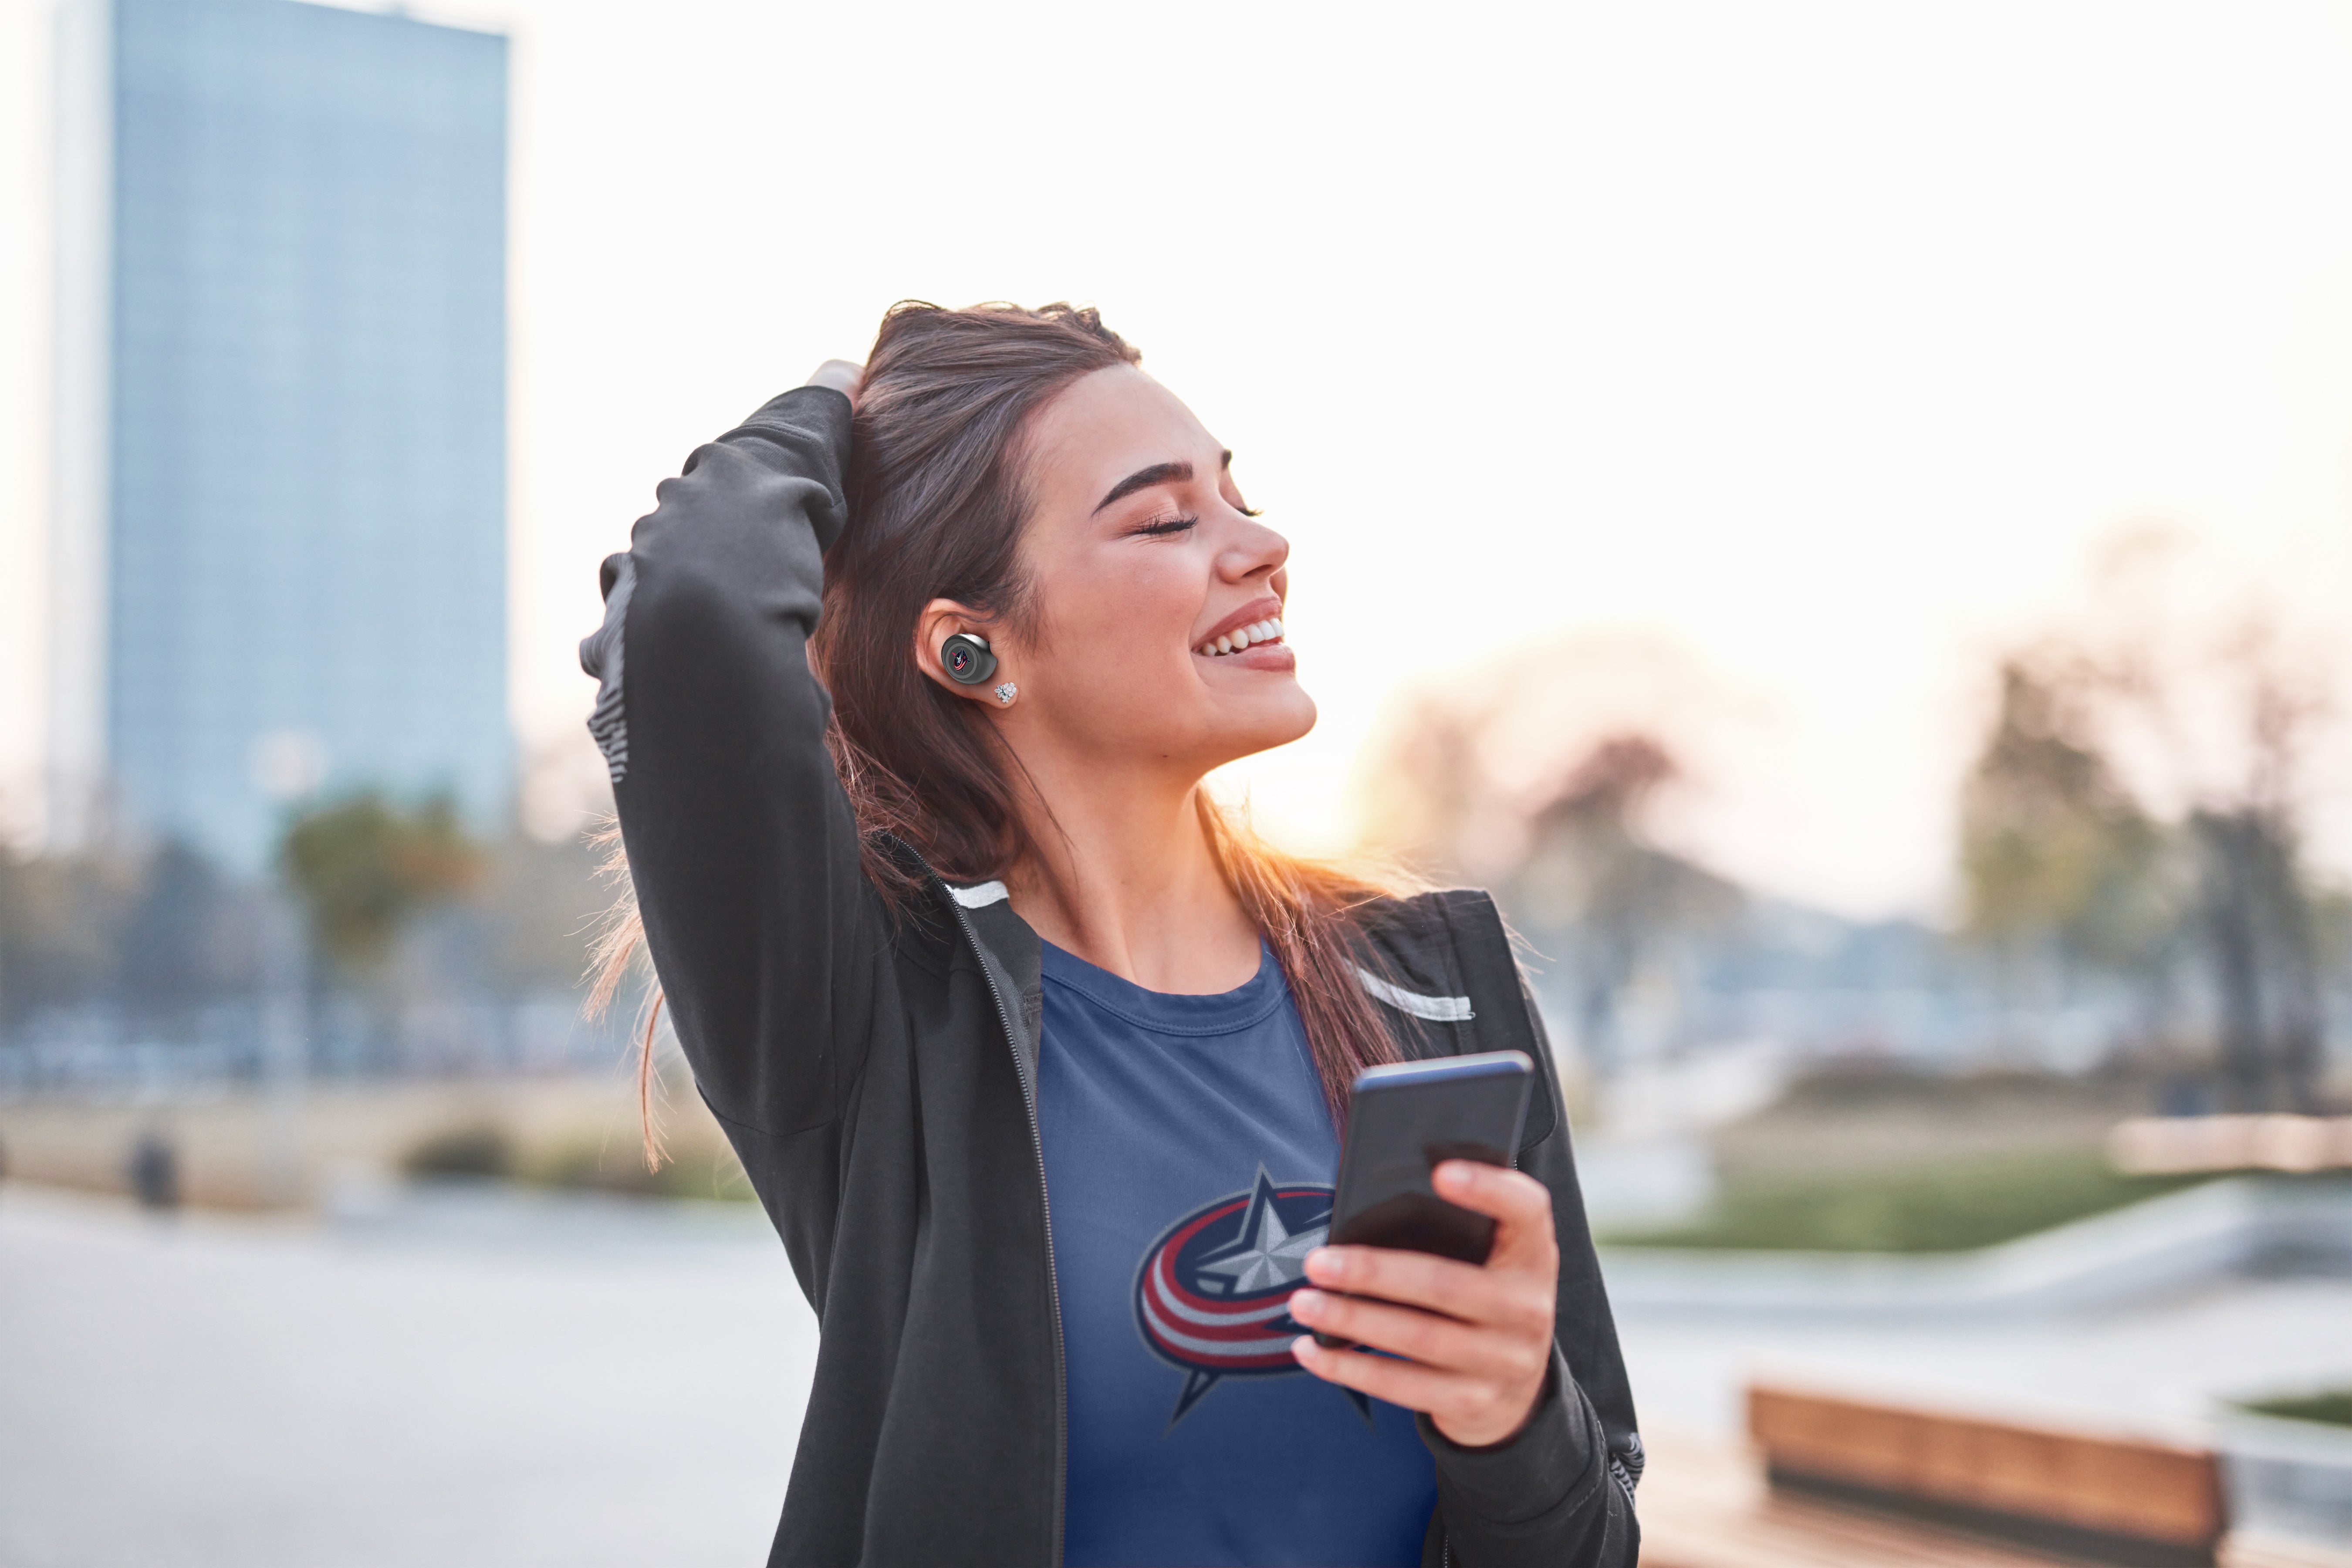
[966, 658]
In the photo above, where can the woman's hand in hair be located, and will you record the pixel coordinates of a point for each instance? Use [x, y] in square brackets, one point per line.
[844, 376]
[1476, 1341]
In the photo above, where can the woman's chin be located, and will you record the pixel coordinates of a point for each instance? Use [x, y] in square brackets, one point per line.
[1268, 718]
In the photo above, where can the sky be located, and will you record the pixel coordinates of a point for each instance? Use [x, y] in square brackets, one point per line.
[1811, 354]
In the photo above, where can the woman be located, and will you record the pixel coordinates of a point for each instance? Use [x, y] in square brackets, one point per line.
[1036, 1059]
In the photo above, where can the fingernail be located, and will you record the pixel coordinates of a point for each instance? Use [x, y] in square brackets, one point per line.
[1305, 1304]
[1303, 1346]
[1326, 1266]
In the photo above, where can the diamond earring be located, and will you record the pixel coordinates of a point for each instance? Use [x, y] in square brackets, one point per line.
[1006, 693]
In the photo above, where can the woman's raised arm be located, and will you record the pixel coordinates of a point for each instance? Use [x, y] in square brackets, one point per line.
[740, 841]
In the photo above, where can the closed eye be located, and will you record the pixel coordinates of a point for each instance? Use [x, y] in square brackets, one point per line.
[1161, 527]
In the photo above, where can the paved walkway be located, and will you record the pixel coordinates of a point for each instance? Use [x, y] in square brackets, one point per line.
[497, 1379]
[432, 1391]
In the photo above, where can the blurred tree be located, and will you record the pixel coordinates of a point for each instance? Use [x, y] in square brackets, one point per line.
[365, 867]
[1615, 903]
[190, 938]
[59, 918]
[1570, 859]
[416, 919]
[2058, 849]
[2257, 906]
[2256, 918]
[2052, 845]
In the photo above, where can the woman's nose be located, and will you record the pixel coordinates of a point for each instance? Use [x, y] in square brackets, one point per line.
[1257, 550]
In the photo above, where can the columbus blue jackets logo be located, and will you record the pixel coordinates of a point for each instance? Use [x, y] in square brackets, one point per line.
[1213, 1295]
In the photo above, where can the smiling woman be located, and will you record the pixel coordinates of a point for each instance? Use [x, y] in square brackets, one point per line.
[907, 688]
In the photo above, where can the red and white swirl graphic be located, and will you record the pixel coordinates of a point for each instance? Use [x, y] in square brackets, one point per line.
[1213, 1295]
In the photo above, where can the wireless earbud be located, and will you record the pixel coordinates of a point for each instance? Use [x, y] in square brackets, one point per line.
[966, 658]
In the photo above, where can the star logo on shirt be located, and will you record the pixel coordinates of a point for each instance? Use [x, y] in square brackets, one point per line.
[1267, 1254]
[1212, 1294]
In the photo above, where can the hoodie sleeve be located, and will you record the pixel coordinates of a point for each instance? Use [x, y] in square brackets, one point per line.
[741, 844]
[1553, 1495]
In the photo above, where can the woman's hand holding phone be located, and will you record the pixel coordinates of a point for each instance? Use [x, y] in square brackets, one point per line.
[1476, 1341]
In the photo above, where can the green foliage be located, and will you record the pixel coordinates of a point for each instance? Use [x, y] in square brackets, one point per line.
[481, 1151]
[1875, 1084]
[1946, 1207]
[696, 1170]
[366, 867]
[584, 1161]
[2333, 1409]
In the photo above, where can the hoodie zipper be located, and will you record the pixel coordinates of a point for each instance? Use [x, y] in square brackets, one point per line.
[1044, 1209]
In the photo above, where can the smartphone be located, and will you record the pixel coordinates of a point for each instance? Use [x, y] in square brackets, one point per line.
[1403, 1119]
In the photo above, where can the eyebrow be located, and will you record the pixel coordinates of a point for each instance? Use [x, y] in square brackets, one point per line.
[1144, 479]
[1157, 474]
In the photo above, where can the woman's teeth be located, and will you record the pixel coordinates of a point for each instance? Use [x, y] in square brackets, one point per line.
[1247, 637]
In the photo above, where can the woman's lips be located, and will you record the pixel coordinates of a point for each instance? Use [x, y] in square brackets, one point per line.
[1258, 655]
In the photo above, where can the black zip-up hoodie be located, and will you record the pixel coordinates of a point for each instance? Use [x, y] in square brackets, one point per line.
[876, 1073]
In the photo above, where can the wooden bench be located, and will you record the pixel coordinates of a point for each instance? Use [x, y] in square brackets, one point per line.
[1706, 1504]
[2096, 1498]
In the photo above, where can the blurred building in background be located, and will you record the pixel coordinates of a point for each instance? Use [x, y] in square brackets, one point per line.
[282, 789]
[280, 548]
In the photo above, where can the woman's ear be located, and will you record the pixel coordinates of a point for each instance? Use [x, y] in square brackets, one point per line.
[945, 618]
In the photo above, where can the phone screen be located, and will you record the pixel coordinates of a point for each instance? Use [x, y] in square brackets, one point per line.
[1403, 1120]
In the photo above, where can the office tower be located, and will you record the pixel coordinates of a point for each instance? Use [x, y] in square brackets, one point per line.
[280, 532]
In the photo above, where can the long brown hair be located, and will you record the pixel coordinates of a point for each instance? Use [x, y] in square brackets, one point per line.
[937, 499]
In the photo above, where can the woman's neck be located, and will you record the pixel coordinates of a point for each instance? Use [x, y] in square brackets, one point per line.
[1124, 877]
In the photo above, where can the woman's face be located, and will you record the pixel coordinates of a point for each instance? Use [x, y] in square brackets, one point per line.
[1143, 555]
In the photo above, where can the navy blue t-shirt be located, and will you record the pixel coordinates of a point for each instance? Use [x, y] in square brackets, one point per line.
[1188, 1163]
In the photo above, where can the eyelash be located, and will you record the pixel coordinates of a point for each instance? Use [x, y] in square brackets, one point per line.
[1169, 525]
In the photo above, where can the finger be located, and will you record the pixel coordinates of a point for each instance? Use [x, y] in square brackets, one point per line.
[1440, 1343]
[1418, 1279]
[1513, 1291]
[1519, 1204]
[1518, 1303]
[1462, 1291]
[1513, 1197]
[1398, 1382]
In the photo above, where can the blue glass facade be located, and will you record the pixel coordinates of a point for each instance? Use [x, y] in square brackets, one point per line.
[306, 567]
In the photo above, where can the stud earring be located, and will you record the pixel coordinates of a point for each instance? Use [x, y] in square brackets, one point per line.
[1006, 693]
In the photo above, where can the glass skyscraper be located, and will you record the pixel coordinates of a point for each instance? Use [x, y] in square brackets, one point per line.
[281, 533]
